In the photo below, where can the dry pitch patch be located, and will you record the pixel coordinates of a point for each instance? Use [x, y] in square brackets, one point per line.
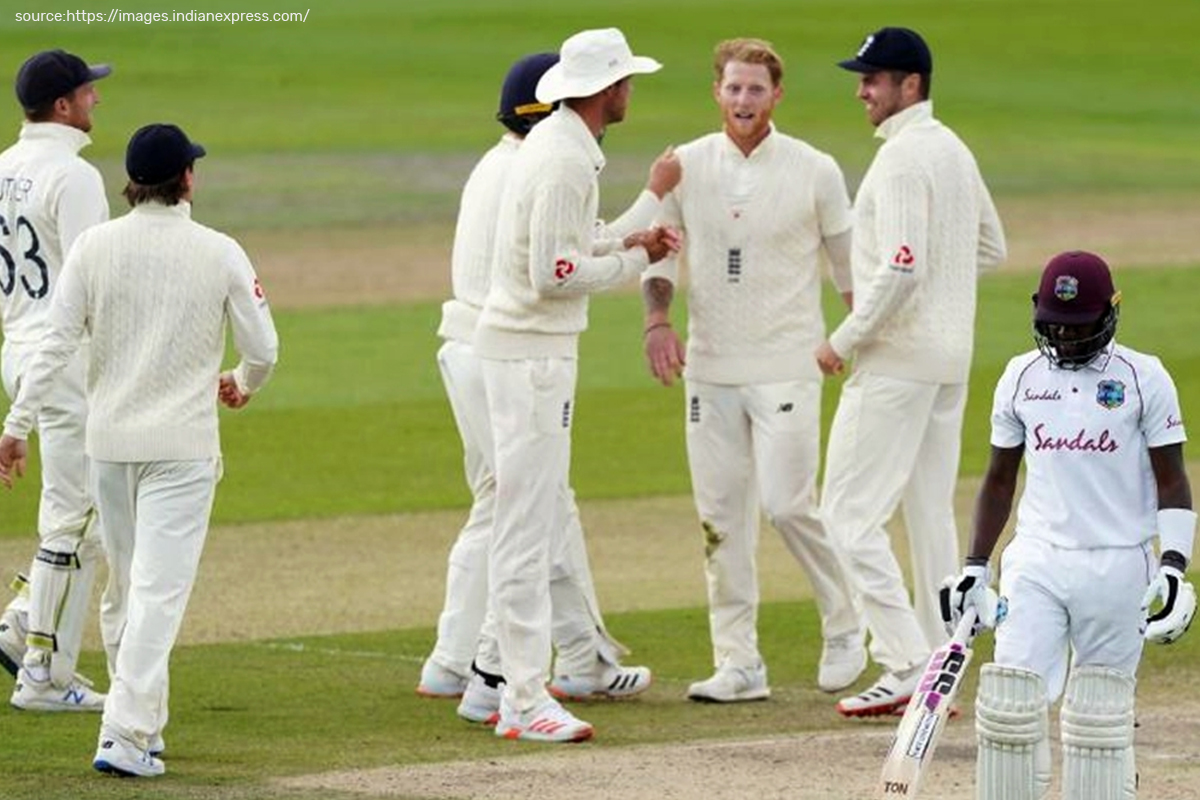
[837, 765]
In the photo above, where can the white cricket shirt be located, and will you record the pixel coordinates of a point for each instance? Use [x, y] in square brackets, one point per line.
[48, 196]
[753, 229]
[1087, 433]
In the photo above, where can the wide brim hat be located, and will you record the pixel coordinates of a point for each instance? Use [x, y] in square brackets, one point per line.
[590, 61]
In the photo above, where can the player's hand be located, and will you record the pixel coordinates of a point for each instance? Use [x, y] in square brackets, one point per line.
[1178, 598]
[969, 589]
[659, 242]
[828, 359]
[664, 353]
[228, 392]
[665, 173]
[12, 459]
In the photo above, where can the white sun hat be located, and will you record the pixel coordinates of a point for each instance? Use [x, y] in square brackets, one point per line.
[590, 61]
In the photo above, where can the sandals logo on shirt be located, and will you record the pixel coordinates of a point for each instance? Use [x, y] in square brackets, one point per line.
[563, 270]
[903, 260]
[1110, 394]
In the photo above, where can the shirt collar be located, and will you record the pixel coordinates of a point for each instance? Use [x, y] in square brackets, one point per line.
[181, 209]
[916, 113]
[56, 132]
[579, 129]
[764, 147]
[1097, 364]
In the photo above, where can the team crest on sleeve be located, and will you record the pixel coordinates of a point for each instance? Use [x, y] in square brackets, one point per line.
[902, 260]
[1066, 287]
[259, 294]
[1110, 394]
[563, 269]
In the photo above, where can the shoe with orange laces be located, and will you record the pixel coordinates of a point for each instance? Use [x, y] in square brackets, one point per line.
[549, 722]
[892, 691]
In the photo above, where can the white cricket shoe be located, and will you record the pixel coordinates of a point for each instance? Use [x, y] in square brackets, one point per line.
[439, 682]
[892, 691]
[480, 702]
[33, 695]
[612, 681]
[13, 628]
[549, 722]
[732, 684]
[843, 659]
[157, 746]
[117, 756]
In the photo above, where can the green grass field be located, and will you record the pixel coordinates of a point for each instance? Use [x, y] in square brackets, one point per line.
[368, 115]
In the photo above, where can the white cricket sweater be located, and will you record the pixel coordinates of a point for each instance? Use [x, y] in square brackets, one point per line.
[547, 257]
[154, 290]
[753, 233]
[475, 236]
[48, 196]
[474, 239]
[924, 228]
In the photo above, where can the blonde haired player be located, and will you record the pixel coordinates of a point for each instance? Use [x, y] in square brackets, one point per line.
[761, 209]
[1099, 428]
[49, 195]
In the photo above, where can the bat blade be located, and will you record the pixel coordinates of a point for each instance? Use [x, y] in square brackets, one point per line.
[927, 714]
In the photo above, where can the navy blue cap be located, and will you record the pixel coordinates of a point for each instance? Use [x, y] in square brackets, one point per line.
[159, 152]
[889, 49]
[519, 106]
[51, 74]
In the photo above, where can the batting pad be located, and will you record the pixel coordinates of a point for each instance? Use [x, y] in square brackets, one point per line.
[1097, 735]
[1011, 724]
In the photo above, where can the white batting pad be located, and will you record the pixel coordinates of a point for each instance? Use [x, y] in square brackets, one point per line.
[1013, 761]
[1097, 735]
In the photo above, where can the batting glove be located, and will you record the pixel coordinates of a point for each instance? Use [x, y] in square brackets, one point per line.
[968, 590]
[1178, 598]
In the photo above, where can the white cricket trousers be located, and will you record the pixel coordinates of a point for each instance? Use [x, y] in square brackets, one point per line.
[60, 596]
[1082, 604]
[755, 449]
[578, 629]
[530, 404]
[156, 521]
[894, 441]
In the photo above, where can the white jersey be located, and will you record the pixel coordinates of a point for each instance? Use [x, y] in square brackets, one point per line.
[48, 196]
[1087, 435]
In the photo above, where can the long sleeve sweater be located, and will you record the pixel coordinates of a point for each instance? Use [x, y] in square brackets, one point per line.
[924, 228]
[475, 236]
[547, 257]
[154, 290]
[48, 196]
[755, 228]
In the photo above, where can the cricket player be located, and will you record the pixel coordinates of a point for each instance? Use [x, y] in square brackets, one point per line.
[461, 663]
[924, 228]
[1099, 428]
[548, 259]
[758, 210]
[48, 196]
[154, 291]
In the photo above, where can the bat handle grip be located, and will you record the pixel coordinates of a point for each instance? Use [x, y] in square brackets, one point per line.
[962, 633]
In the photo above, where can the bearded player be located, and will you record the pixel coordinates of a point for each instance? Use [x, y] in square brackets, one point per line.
[1099, 428]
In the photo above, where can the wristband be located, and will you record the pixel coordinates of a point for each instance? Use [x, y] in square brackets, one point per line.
[656, 325]
[1176, 531]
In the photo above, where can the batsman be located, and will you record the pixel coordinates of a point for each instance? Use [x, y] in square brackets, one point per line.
[1099, 428]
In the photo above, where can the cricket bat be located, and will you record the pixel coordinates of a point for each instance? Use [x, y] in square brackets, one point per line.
[927, 713]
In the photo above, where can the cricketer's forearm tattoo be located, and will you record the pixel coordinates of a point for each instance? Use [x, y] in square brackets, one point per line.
[657, 294]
